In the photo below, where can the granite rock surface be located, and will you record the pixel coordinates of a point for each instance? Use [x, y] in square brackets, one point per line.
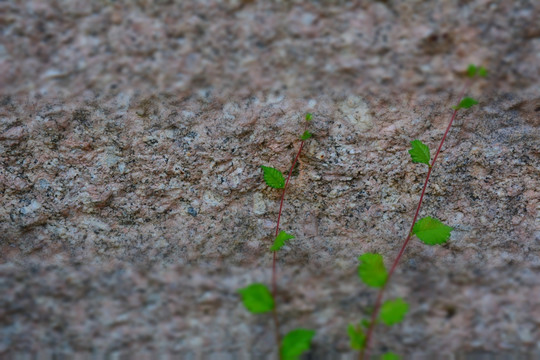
[132, 200]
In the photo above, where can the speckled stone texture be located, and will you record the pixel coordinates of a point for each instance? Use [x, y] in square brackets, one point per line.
[132, 201]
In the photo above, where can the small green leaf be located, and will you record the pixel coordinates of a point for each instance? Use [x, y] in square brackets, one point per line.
[472, 70]
[357, 336]
[309, 116]
[306, 135]
[431, 231]
[465, 103]
[257, 298]
[390, 356]
[393, 311]
[482, 71]
[280, 240]
[273, 177]
[366, 323]
[419, 152]
[371, 270]
[295, 343]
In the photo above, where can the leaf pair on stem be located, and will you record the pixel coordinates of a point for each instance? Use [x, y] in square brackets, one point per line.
[258, 300]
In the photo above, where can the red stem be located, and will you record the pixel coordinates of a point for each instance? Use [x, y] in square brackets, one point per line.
[274, 277]
[364, 353]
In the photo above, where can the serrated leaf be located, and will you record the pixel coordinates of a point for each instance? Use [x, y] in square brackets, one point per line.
[273, 177]
[306, 135]
[371, 270]
[472, 70]
[465, 103]
[257, 298]
[482, 71]
[390, 356]
[419, 152]
[431, 231]
[309, 116]
[357, 336]
[393, 311]
[280, 240]
[295, 343]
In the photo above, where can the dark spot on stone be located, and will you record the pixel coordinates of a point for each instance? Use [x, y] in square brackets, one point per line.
[537, 109]
[450, 312]
[191, 211]
[81, 115]
[296, 170]
[151, 142]
[5, 100]
[147, 107]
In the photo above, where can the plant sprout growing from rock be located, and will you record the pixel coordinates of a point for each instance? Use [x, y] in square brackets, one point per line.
[257, 298]
[429, 230]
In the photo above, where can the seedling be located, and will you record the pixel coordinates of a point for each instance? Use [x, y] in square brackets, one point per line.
[429, 230]
[256, 297]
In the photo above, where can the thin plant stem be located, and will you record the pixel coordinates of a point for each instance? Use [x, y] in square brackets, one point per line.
[364, 353]
[274, 272]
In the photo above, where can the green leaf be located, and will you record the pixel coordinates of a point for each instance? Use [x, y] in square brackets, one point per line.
[482, 71]
[419, 152]
[431, 231]
[393, 311]
[295, 343]
[273, 177]
[257, 298]
[357, 336]
[465, 103]
[371, 270]
[472, 70]
[280, 240]
[366, 323]
[390, 356]
[306, 135]
[309, 116]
